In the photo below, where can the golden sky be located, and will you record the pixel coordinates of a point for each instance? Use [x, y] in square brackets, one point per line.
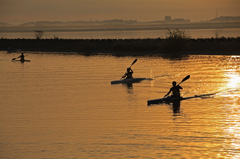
[20, 11]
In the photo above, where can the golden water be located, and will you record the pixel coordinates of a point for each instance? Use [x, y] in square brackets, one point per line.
[63, 106]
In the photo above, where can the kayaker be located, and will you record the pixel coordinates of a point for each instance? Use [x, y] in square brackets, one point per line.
[9, 50]
[22, 57]
[128, 74]
[175, 90]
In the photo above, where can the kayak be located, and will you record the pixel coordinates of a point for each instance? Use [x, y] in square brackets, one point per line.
[131, 80]
[168, 99]
[22, 61]
[174, 99]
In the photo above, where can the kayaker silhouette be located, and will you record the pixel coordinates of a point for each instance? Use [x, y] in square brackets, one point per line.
[22, 57]
[175, 90]
[128, 74]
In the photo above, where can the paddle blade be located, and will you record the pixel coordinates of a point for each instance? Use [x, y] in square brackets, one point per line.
[14, 59]
[186, 78]
[134, 61]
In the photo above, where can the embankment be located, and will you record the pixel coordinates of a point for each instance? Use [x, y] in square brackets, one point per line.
[227, 46]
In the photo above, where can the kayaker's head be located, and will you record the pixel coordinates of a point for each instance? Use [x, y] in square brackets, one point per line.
[174, 83]
[128, 69]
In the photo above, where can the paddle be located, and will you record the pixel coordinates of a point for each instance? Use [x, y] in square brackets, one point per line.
[132, 64]
[186, 78]
[15, 58]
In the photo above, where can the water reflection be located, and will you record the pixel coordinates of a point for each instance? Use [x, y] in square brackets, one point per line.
[233, 80]
[232, 132]
[175, 57]
[129, 87]
[176, 107]
[230, 93]
[232, 74]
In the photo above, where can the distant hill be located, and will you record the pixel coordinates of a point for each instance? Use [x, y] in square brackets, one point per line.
[76, 23]
[167, 20]
[120, 24]
[224, 19]
[4, 24]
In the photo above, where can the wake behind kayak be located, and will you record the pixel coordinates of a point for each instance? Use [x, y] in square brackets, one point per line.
[22, 60]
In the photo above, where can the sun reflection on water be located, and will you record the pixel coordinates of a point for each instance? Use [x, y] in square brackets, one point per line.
[234, 80]
[232, 92]
[232, 135]
[232, 74]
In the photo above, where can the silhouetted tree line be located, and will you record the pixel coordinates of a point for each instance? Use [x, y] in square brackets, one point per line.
[176, 42]
[125, 46]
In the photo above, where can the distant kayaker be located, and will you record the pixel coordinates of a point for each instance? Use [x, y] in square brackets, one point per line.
[9, 50]
[175, 90]
[128, 74]
[22, 57]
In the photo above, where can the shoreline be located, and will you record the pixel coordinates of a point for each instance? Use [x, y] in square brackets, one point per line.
[112, 26]
[125, 47]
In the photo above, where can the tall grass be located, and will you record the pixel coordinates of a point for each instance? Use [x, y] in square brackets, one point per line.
[176, 41]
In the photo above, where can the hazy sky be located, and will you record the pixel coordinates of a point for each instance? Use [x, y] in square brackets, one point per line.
[19, 11]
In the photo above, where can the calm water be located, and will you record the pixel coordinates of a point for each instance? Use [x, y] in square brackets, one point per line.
[142, 34]
[63, 106]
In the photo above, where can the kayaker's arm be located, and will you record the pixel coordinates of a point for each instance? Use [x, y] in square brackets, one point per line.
[124, 75]
[168, 93]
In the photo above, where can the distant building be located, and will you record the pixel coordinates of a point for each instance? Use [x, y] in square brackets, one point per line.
[179, 20]
[168, 18]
